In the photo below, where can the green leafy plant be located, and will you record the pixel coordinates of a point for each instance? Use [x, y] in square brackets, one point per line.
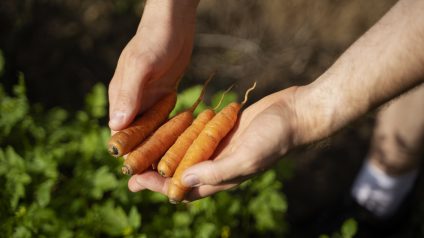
[348, 230]
[57, 180]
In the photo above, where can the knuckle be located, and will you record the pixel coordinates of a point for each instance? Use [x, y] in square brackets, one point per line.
[215, 175]
[140, 61]
[124, 98]
[250, 166]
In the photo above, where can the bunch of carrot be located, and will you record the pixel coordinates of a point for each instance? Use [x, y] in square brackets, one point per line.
[175, 145]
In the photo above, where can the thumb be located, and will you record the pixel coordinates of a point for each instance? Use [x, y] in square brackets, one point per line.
[214, 172]
[126, 104]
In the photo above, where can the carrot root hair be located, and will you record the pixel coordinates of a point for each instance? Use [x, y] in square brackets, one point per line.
[246, 95]
[202, 93]
[222, 97]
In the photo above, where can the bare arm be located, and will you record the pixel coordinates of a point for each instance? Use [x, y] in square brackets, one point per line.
[385, 62]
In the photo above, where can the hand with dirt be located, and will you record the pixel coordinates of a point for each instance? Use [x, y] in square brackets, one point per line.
[153, 61]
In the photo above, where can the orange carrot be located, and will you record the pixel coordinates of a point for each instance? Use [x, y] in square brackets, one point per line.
[157, 144]
[155, 165]
[169, 162]
[173, 156]
[204, 145]
[125, 140]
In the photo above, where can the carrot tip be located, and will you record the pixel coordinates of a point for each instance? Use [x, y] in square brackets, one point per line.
[126, 170]
[162, 173]
[172, 201]
[113, 151]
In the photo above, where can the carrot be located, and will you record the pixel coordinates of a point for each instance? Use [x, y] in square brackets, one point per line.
[157, 144]
[204, 145]
[169, 162]
[125, 140]
[155, 165]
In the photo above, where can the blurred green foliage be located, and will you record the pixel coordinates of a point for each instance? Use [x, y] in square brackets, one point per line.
[348, 230]
[57, 180]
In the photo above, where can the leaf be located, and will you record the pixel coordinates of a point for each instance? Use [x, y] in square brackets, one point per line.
[13, 109]
[90, 143]
[103, 181]
[20, 88]
[16, 177]
[206, 230]
[134, 218]
[181, 219]
[56, 118]
[277, 201]
[268, 203]
[43, 192]
[112, 220]
[349, 228]
[22, 232]
[96, 101]
[157, 197]
[265, 180]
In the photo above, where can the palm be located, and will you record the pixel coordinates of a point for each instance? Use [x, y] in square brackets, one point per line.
[262, 135]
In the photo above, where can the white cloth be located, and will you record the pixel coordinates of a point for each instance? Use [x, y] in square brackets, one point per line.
[380, 193]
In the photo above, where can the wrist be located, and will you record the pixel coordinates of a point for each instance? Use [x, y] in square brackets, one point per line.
[178, 5]
[315, 109]
[169, 15]
[170, 10]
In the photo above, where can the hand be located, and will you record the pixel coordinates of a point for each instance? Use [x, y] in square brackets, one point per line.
[153, 61]
[264, 134]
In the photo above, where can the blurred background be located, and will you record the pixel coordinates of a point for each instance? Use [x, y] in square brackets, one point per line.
[60, 180]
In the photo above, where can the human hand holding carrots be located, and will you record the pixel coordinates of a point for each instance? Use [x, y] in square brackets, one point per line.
[295, 116]
[152, 62]
[264, 133]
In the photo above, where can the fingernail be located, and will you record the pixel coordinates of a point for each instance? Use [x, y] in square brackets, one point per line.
[191, 180]
[116, 119]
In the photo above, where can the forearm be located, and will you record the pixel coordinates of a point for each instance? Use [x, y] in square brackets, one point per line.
[385, 62]
[170, 12]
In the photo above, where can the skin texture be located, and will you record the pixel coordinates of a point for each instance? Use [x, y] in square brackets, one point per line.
[385, 62]
[153, 61]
